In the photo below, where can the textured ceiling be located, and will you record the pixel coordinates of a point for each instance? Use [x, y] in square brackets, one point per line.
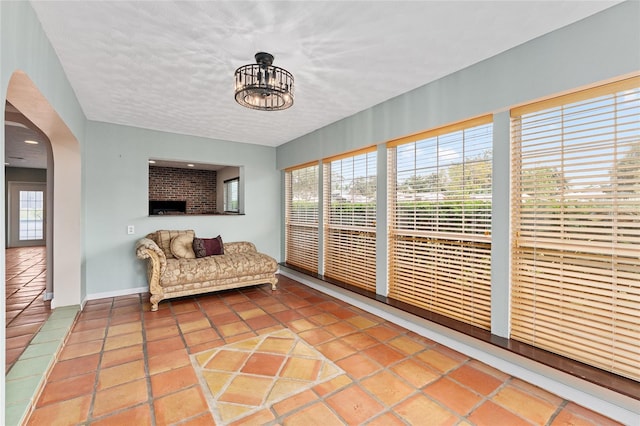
[168, 65]
[17, 130]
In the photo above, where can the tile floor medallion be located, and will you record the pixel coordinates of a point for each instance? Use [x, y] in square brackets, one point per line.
[244, 377]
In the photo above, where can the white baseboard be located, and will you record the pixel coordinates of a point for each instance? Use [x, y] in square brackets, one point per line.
[116, 293]
[47, 296]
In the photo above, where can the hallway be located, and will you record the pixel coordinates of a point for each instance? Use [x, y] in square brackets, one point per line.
[26, 311]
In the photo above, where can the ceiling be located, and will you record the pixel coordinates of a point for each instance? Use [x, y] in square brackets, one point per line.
[168, 65]
[17, 130]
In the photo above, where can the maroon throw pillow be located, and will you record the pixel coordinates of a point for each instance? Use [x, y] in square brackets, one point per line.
[204, 247]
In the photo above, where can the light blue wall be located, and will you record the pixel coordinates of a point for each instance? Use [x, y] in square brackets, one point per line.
[598, 48]
[116, 182]
[114, 169]
[24, 46]
[26, 49]
[114, 158]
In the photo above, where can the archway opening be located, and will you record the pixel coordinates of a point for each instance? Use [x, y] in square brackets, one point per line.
[64, 182]
[28, 285]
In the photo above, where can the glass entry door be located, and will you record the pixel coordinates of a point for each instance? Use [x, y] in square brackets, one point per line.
[26, 214]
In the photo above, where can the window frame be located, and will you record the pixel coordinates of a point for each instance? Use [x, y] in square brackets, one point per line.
[350, 240]
[228, 195]
[302, 228]
[568, 315]
[440, 285]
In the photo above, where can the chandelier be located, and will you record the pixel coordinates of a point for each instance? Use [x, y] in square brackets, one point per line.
[263, 86]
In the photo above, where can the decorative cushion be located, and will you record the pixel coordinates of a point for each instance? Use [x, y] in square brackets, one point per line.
[163, 239]
[182, 247]
[204, 247]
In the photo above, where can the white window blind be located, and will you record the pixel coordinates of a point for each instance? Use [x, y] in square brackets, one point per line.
[301, 217]
[440, 220]
[350, 218]
[576, 226]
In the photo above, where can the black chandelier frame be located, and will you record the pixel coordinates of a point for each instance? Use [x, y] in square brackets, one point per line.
[263, 86]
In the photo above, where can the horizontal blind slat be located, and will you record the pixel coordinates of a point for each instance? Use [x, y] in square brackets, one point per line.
[575, 230]
[301, 216]
[349, 218]
[440, 222]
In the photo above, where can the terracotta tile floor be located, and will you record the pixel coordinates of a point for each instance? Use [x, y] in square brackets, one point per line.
[290, 357]
[26, 311]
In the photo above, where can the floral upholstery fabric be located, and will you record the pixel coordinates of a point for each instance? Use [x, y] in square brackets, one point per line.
[163, 239]
[240, 265]
[238, 247]
[144, 245]
[211, 268]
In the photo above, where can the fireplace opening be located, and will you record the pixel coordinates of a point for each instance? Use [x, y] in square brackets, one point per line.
[160, 207]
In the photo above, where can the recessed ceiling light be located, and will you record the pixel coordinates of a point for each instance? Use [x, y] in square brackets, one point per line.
[14, 124]
[152, 161]
[30, 142]
[190, 165]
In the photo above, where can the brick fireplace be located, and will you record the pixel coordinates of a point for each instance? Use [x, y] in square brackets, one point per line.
[173, 185]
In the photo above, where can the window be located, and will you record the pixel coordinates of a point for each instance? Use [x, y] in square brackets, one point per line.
[576, 226]
[350, 218]
[301, 217]
[231, 195]
[440, 220]
[31, 215]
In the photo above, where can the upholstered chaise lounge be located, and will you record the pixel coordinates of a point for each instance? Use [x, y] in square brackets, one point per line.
[174, 271]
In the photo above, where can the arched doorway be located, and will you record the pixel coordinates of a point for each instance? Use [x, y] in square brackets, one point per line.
[28, 287]
[64, 191]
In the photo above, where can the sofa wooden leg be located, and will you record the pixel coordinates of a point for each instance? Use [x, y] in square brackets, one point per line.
[274, 284]
[154, 302]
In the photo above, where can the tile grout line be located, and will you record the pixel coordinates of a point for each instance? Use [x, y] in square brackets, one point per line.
[556, 413]
[96, 379]
[53, 358]
[149, 400]
[296, 340]
[233, 305]
[406, 356]
[461, 417]
[353, 381]
[386, 407]
[145, 358]
[283, 324]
